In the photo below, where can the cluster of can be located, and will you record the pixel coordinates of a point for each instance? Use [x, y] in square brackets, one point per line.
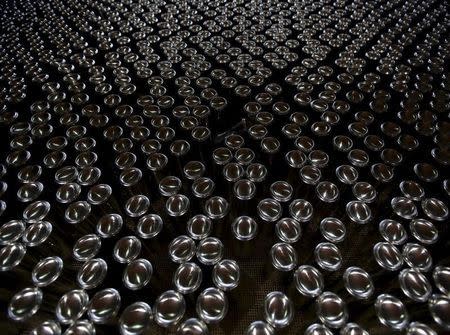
[165, 161]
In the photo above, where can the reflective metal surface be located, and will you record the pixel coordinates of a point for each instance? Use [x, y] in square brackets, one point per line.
[224, 167]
